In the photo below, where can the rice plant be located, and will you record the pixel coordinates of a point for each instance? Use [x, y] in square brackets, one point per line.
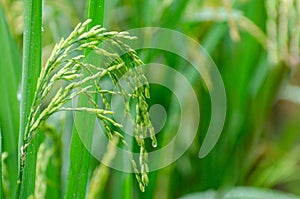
[55, 56]
[62, 65]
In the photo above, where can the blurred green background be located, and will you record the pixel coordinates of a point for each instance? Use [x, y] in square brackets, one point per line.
[256, 46]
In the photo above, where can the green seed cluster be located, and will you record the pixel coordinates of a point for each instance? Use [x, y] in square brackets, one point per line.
[68, 63]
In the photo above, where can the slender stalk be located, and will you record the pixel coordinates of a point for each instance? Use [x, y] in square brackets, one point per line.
[79, 156]
[30, 72]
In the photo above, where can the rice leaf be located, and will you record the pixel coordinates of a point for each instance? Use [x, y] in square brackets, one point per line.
[30, 72]
[10, 66]
[79, 156]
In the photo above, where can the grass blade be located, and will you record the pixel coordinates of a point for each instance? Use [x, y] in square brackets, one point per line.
[10, 65]
[173, 13]
[30, 72]
[79, 156]
[96, 12]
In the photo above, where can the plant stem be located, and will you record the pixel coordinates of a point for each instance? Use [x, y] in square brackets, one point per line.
[30, 72]
[84, 122]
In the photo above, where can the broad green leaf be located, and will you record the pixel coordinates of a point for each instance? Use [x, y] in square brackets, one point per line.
[32, 53]
[10, 66]
[79, 155]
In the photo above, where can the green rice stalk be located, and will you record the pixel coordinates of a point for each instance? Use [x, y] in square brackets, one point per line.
[30, 73]
[79, 156]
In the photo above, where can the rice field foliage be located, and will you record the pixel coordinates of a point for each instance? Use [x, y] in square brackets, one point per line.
[45, 66]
